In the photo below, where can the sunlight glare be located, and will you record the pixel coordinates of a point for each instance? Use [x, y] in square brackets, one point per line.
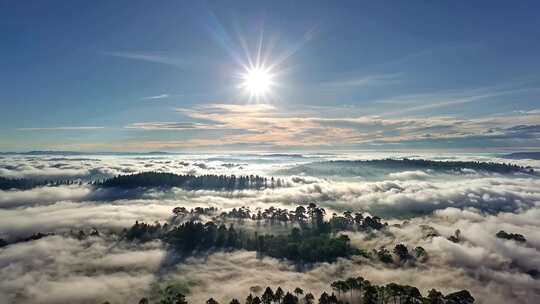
[257, 81]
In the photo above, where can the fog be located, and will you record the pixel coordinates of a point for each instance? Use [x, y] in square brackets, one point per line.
[64, 269]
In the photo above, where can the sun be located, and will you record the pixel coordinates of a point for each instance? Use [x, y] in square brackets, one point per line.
[257, 81]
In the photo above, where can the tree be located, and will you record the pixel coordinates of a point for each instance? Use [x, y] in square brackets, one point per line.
[336, 286]
[249, 299]
[332, 299]
[370, 295]
[256, 300]
[456, 238]
[290, 299]
[401, 251]
[511, 236]
[298, 291]
[435, 297]
[309, 298]
[234, 301]
[340, 286]
[171, 296]
[300, 214]
[211, 301]
[143, 301]
[420, 254]
[352, 284]
[268, 296]
[278, 295]
[384, 255]
[460, 297]
[360, 282]
[411, 293]
[180, 299]
[324, 298]
[393, 290]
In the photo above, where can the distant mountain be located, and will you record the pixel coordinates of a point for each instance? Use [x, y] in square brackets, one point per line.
[75, 153]
[376, 167]
[44, 153]
[522, 155]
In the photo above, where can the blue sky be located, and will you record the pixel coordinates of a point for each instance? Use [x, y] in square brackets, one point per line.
[141, 76]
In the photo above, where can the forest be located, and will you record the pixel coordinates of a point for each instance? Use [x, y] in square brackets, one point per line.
[190, 182]
[311, 239]
[393, 165]
[242, 182]
[156, 180]
[353, 290]
[308, 237]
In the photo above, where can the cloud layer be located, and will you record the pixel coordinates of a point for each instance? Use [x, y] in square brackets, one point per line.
[63, 269]
[271, 127]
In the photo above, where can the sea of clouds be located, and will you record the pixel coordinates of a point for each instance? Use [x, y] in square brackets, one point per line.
[64, 269]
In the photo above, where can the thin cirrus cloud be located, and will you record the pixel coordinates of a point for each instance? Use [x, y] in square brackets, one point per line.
[155, 97]
[364, 81]
[266, 124]
[432, 100]
[154, 57]
[170, 126]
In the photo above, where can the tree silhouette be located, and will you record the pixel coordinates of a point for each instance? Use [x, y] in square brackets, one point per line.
[324, 298]
[268, 296]
[371, 294]
[511, 236]
[435, 297]
[290, 299]
[460, 297]
[391, 293]
[401, 251]
[278, 295]
[384, 255]
[309, 298]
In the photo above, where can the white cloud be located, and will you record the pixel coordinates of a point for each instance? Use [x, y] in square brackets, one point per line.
[60, 269]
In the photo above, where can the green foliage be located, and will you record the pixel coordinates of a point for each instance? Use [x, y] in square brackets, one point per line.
[24, 183]
[460, 297]
[168, 291]
[349, 166]
[171, 296]
[420, 254]
[190, 182]
[350, 290]
[384, 255]
[511, 236]
[401, 251]
[308, 247]
[301, 245]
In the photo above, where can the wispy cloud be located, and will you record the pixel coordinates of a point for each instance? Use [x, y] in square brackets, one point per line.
[155, 57]
[364, 81]
[171, 126]
[161, 96]
[82, 128]
[265, 125]
[432, 100]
